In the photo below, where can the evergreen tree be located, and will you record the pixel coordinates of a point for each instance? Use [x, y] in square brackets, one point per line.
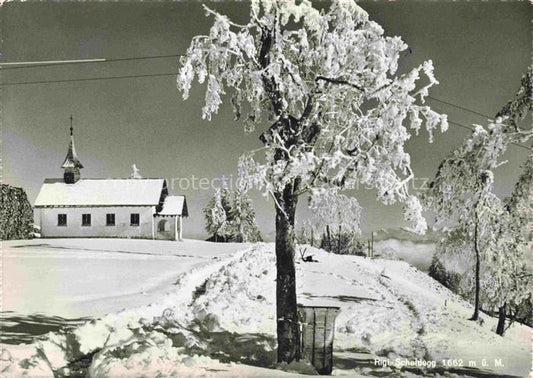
[216, 216]
[243, 225]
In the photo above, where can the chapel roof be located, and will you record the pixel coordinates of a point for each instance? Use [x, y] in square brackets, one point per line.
[101, 192]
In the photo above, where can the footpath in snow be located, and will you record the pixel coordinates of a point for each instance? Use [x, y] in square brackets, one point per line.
[218, 320]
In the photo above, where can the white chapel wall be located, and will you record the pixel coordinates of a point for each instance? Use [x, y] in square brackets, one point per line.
[98, 228]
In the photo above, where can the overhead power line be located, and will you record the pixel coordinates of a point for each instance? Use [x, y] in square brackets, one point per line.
[174, 74]
[23, 65]
[38, 64]
[460, 107]
[88, 79]
[471, 111]
[13, 65]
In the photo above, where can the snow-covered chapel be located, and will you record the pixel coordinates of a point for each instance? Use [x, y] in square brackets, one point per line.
[115, 208]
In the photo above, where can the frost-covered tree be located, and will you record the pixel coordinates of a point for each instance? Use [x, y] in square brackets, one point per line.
[243, 224]
[510, 285]
[231, 221]
[518, 107]
[504, 276]
[216, 215]
[337, 211]
[308, 233]
[461, 193]
[323, 88]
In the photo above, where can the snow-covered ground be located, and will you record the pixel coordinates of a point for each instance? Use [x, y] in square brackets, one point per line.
[74, 278]
[218, 320]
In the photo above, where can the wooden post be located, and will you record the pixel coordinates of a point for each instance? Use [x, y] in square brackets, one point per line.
[372, 244]
[339, 241]
[41, 222]
[329, 239]
[153, 230]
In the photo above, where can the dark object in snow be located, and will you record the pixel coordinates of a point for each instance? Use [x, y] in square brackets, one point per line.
[200, 290]
[304, 257]
[309, 259]
[317, 326]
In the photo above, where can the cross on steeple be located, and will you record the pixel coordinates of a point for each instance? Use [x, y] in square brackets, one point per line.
[71, 129]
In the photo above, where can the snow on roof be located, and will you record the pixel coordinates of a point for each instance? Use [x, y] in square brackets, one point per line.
[100, 192]
[174, 205]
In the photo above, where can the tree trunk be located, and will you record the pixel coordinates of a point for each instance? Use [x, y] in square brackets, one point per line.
[475, 316]
[372, 244]
[286, 307]
[312, 237]
[502, 313]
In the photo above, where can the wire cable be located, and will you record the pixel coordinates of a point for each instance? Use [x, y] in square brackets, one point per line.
[11, 65]
[460, 107]
[173, 74]
[87, 79]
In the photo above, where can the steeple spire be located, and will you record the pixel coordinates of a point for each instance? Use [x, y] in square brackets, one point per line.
[72, 164]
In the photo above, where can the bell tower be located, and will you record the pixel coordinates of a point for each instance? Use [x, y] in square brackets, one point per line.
[72, 164]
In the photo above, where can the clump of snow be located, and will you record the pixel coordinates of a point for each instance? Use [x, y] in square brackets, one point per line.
[23, 360]
[142, 358]
[242, 294]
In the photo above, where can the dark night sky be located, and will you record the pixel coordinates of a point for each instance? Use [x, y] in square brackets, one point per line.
[479, 49]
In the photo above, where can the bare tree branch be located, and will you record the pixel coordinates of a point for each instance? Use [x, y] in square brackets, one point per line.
[339, 81]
